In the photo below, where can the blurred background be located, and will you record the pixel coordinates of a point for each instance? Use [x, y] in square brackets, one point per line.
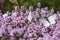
[9, 4]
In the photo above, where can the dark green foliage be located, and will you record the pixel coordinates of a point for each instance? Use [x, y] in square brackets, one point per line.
[8, 6]
[49, 3]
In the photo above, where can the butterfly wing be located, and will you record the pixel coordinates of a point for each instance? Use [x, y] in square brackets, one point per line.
[52, 19]
[5, 15]
[30, 17]
[45, 22]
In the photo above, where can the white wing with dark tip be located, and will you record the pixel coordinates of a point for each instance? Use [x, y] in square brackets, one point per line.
[45, 22]
[52, 19]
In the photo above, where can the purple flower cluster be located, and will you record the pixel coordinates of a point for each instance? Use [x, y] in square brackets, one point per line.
[39, 24]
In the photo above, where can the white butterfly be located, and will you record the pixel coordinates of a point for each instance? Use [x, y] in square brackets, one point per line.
[30, 17]
[5, 15]
[51, 20]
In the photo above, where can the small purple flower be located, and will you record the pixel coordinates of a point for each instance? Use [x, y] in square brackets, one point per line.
[21, 39]
[38, 10]
[31, 8]
[39, 38]
[22, 8]
[52, 10]
[31, 38]
[46, 37]
[12, 38]
[58, 15]
[9, 28]
[13, 32]
[46, 8]
[39, 4]
[20, 31]
[44, 30]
